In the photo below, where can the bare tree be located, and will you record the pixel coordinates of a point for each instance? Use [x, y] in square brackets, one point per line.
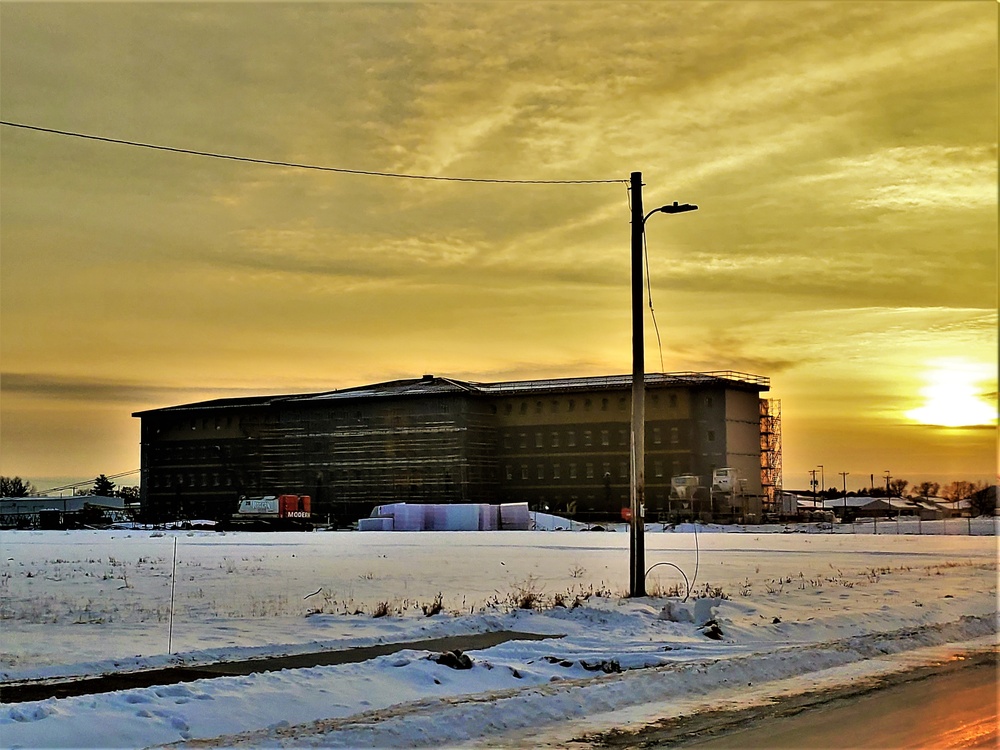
[960, 490]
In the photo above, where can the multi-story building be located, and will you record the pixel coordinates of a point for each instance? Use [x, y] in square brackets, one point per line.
[560, 444]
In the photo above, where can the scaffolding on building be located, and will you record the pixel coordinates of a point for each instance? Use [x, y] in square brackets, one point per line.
[770, 453]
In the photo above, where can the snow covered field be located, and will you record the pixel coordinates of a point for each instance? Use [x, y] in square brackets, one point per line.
[768, 614]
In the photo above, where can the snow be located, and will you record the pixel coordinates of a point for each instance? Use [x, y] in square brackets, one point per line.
[791, 611]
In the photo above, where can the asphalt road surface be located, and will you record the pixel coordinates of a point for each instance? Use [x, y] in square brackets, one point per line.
[947, 706]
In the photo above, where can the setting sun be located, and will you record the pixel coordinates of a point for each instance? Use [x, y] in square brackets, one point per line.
[953, 397]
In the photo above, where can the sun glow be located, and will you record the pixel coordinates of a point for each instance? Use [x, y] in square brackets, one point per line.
[954, 398]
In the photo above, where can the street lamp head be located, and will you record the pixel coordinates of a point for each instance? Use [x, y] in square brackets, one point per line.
[677, 208]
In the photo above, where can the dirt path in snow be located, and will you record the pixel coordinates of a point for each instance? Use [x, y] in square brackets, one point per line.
[43, 689]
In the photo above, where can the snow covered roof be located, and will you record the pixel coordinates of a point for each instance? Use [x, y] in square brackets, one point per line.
[33, 504]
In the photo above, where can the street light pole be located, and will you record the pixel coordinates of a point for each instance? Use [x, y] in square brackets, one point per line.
[843, 476]
[637, 483]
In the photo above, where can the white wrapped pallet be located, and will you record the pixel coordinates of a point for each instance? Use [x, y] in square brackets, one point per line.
[489, 517]
[435, 517]
[462, 517]
[375, 524]
[515, 516]
[385, 511]
[409, 517]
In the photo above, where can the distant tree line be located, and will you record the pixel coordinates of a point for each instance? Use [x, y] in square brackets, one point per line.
[17, 487]
[981, 495]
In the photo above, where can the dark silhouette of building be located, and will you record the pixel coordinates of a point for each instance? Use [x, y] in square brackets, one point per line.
[557, 444]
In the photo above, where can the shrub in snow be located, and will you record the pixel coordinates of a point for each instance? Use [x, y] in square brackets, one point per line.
[676, 612]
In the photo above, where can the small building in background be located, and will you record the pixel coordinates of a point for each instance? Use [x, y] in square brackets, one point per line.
[61, 512]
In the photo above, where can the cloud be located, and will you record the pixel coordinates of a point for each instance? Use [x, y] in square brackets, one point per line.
[94, 390]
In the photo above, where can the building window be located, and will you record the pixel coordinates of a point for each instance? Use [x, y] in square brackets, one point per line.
[539, 440]
[555, 439]
[588, 437]
[572, 471]
[506, 440]
[590, 471]
[587, 404]
[605, 437]
[606, 469]
[572, 405]
[711, 436]
[708, 400]
[538, 407]
[674, 436]
[541, 471]
[554, 406]
[509, 471]
[524, 440]
[672, 400]
[524, 471]
[622, 437]
[508, 408]
[524, 407]
[657, 438]
[555, 471]
[604, 404]
[571, 439]
[622, 470]
[658, 468]
[622, 402]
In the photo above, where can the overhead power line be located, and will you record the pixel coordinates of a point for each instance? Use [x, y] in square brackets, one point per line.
[91, 481]
[294, 165]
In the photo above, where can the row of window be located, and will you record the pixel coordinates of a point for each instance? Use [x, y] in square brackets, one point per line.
[569, 438]
[168, 481]
[588, 470]
[587, 404]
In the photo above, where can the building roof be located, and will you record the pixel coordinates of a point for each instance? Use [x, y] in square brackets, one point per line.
[33, 503]
[430, 385]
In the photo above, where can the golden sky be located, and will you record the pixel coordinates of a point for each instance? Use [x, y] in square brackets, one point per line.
[843, 155]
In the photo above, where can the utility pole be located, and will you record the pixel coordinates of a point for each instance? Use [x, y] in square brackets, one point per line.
[637, 485]
[637, 488]
[843, 475]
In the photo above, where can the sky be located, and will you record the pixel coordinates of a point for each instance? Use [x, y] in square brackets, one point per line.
[843, 157]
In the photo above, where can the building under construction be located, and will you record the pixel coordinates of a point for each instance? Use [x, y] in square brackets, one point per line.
[557, 444]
